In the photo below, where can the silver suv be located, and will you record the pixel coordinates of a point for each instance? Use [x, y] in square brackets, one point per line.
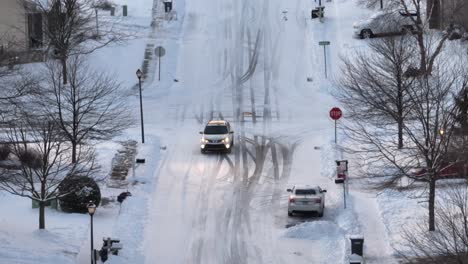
[306, 198]
[218, 135]
[385, 22]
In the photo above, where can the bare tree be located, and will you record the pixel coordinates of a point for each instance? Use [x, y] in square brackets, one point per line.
[373, 86]
[449, 244]
[68, 25]
[43, 162]
[92, 106]
[428, 133]
[15, 81]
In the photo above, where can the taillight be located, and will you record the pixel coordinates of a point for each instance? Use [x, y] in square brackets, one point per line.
[318, 200]
[291, 200]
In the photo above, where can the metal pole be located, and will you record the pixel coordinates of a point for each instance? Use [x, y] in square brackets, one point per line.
[320, 2]
[381, 4]
[141, 114]
[92, 240]
[344, 192]
[325, 56]
[159, 66]
[335, 131]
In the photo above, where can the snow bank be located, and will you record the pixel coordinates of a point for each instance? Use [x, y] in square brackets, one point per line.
[316, 230]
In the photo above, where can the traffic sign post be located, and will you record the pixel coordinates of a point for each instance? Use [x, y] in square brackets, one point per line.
[335, 114]
[159, 51]
[324, 44]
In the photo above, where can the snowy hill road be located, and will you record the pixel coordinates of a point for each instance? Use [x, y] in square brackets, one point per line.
[246, 62]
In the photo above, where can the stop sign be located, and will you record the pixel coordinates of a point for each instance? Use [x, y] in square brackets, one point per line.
[335, 113]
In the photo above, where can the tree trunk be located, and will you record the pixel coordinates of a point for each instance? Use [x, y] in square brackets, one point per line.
[63, 61]
[400, 114]
[432, 189]
[41, 215]
[74, 145]
[400, 134]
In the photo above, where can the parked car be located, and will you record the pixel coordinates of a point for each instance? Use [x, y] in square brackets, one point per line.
[306, 198]
[385, 22]
[449, 170]
[218, 135]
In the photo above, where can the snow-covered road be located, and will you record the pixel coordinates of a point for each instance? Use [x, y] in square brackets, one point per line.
[231, 57]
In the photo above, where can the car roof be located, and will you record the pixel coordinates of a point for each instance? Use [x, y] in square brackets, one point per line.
[217, 123]
[305, 186]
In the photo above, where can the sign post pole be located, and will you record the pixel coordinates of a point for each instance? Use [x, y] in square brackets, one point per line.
[324, 43]
[335, 131]
[325, 58]
[159, 51]
[159, 68]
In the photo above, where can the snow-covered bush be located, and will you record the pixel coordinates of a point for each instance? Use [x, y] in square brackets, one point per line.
[79, 190]
[30, 158]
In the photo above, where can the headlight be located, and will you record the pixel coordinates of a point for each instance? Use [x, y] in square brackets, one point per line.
[226, 140]
[204, 140]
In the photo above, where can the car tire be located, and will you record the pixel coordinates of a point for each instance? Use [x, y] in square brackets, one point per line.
[290, 214]
[229, 150]
[366, 33]
[321, 213]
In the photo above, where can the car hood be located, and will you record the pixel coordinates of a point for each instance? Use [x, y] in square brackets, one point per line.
[361, 23]
[215, 137]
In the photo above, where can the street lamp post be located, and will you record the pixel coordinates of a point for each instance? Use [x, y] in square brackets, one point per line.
[139, 75]
[91, 209]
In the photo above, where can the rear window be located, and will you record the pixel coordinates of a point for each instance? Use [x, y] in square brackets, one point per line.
[215, 130]
[305, 191]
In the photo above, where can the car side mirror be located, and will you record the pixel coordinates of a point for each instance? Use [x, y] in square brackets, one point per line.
[288, 190]
[201, 132]
[324, 191]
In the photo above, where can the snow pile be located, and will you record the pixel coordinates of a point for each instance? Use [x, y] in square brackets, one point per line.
[326, 240]
[315, 230]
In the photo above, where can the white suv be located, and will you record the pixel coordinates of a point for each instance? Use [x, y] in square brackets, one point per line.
[385, 22]
[306, 198]
[217, 135]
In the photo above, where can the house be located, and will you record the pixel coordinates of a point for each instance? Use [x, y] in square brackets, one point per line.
[447, 12]
[21, 28]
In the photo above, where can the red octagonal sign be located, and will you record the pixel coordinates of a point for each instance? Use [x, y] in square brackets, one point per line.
[335, 113]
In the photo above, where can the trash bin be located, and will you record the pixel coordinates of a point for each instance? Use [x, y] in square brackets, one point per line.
[124, 10]
[167, 6]
[357, 245]
[317, 12]
[355, 259]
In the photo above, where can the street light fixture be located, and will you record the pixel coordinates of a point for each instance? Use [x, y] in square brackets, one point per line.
[91, 210]
[139, 74]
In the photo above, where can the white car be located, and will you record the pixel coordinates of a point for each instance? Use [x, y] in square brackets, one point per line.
[306, 198]
[218, 135]
[385, 22]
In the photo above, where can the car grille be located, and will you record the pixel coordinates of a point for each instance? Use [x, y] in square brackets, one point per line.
[214, 141]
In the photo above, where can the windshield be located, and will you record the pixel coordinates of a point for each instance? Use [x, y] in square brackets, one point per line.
[377, 15]
[305, 192]
[214, 130]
